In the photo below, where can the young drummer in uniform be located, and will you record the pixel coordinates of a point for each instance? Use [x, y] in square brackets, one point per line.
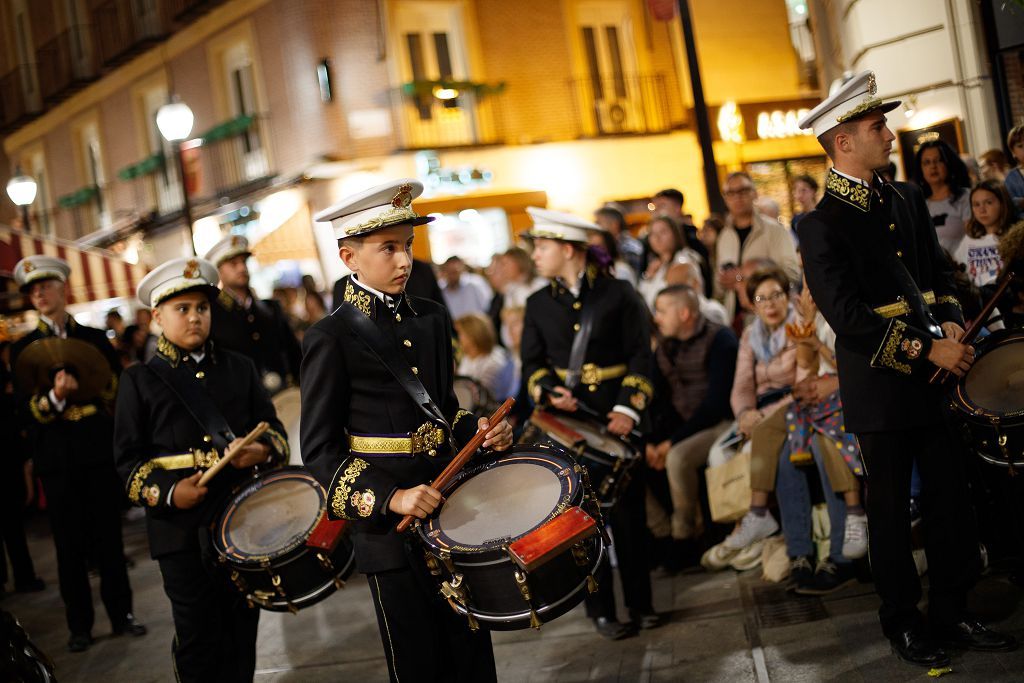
[176, 415]
[615, 382]
[373, 448]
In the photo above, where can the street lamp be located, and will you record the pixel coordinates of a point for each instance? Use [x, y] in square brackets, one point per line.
[175, 120]
[22, 191]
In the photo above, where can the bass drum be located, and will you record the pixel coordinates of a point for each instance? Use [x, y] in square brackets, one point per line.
[517, 538]
[289, 409]
[263, 540]
[988, 401]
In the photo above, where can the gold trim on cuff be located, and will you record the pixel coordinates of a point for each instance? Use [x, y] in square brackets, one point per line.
[898, 308]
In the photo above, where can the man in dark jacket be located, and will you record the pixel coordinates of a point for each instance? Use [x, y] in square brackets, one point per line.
[874, 266]
[69, 440]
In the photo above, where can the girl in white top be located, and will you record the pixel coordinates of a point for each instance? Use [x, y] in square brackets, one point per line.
[668, 248]
[991, 217]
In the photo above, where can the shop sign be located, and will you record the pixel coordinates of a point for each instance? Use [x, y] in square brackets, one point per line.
[777, 124]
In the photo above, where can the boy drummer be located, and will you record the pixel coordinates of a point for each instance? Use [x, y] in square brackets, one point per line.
[374, 448]
[175, 416]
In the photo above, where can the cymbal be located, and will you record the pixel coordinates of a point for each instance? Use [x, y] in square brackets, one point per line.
[42, 358]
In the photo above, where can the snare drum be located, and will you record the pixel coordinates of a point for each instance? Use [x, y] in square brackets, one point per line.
[608, 458]
[517, 539]
[989, 400]
[263, 538]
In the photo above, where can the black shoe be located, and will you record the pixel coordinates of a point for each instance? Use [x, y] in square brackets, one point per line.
[33, 586]
[612, 629]
[915, 647]
[682, 554]
[828, 578]
[969, 634]
[646, 620]
[130, 626]
[801, 573]
[79, 642]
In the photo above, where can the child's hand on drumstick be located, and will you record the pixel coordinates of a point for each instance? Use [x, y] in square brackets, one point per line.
[419, 501]
[620, 424]
[563, 399]
[255, 453]
[188, 493]
[499, 438]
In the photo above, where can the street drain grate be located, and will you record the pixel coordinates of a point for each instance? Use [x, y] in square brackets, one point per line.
[777, 607]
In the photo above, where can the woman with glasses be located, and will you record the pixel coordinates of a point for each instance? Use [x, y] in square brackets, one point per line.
[943, 177]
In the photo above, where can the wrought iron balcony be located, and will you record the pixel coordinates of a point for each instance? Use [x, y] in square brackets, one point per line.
[124, 28]
[450, 114]
[66, 63]
[622, 105]
[234, 157]
[19, 97]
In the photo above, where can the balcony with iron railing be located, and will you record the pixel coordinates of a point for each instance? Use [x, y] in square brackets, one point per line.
[234, 158]
[124, 28]
[66, 63]
[450, 114]
[19, 98]
[622, 105]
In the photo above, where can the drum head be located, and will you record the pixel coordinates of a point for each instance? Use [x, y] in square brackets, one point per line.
[596, 438]
[504, 499]
[287, 404]
[995, 383]
[270, 516]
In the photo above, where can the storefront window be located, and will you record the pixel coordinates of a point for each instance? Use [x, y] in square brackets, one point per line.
[474, 235]
[774, 179]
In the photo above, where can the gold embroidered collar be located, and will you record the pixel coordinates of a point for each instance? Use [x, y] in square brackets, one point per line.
[847, 191]
[366, 302]
[173, 354]
[48, 330]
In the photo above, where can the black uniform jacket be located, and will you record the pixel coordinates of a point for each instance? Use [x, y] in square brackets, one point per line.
[157, 441]
[621, 336]
[260, 332]
[347, 391]
[62, 442]
[881, 345]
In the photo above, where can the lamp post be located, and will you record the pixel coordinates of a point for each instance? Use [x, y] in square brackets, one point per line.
[22, 191]
[175, 120]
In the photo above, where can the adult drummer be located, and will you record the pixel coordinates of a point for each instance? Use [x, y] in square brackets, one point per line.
[612, 380]
[373, 447]
[69, 438]
[176, 415]
[254, 327]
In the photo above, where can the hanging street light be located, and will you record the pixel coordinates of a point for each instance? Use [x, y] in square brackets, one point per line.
[22, 191]
[175, 120]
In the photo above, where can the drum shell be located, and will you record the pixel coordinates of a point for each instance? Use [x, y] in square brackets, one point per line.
[302, 577]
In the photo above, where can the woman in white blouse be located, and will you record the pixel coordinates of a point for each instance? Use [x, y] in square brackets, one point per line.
[668, 248]
[482, 359]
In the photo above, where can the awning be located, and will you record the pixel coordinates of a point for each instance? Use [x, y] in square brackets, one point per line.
[95, 274]
[292, 240]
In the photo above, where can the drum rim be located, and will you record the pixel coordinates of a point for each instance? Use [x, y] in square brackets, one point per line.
[289, 552]
[603, 431]
[961, 400]
[484, 554]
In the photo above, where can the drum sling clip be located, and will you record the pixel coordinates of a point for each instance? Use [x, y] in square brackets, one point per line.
[524, 590]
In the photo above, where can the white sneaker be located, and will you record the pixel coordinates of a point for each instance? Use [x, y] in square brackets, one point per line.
[717, 558]
[855, 537]
[748, 558]
[752, 528]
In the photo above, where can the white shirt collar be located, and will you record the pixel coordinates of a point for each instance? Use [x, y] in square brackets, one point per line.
[62, 330]
[198, 356]
[859, 181]
[371, 290]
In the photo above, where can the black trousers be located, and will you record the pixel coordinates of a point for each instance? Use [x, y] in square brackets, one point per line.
[84, 510]
[628, 522]
[951, 541]
[214, 628]
[424, 638]
[12, 529]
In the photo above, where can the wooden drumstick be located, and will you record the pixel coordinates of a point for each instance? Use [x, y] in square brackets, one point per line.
[460, 460]
[230, 453]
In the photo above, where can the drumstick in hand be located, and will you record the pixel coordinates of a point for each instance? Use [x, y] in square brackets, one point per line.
[230, 453]
[460, 460]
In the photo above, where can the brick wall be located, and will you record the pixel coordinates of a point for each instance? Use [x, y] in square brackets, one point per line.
[1013, 65]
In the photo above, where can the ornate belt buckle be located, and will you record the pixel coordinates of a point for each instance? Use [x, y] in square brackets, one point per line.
[590, 374]
[427, 437]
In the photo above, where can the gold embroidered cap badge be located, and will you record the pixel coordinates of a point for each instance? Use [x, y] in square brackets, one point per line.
[29, 267]
[402, 198]
[191, 271]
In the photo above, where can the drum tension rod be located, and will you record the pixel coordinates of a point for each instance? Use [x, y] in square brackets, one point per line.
[524, 590]
[328, 566]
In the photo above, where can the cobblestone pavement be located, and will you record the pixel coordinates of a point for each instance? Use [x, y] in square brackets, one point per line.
[722, 627]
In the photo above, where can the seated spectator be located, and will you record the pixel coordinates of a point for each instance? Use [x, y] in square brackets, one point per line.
[713, 225]
[464, 292]
[620, 267]
[670, 202]
[482, 359]
[991, 216]
[805, 195]
[689, 274]
[667, 249]
[943, 178]
[631, 250]
[993, 165]
[695, 364]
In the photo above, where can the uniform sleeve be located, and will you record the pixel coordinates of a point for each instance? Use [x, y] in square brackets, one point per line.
[462, 421]
[636, 390]
[262, 410]
[538, 373]
[891, 344]
[356, 489]
[146, 484]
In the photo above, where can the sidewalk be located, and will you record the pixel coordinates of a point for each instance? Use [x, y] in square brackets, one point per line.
[723, 627]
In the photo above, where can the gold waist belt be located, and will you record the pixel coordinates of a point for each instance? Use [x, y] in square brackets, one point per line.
[195, 458]
[901, 307]
[591, 374]
[426, 439]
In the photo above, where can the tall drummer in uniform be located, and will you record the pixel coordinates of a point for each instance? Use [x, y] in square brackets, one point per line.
[176, 416]
[876, 271]
[69, 436]
[244, 323]
[373, 448]
[615, 382]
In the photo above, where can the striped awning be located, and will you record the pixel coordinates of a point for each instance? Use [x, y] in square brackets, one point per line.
[95, 274]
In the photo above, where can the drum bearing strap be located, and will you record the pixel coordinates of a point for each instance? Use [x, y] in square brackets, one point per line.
[578, 353]
[196, 401]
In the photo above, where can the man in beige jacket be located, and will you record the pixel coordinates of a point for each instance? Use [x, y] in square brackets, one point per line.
[749, 235]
